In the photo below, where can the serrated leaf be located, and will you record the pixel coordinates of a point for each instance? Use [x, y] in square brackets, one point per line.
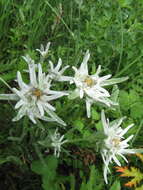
[133, 172]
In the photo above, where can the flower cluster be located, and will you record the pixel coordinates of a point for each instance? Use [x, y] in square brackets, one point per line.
[35, 100]
[92, 87]
[114, 144]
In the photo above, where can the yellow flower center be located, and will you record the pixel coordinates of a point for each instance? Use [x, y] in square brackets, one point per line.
[116, 141]
[89, 81]
[36, 92]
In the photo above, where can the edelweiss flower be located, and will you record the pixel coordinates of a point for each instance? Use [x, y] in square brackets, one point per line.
[57, 74]
[34, 97]
[92, 86]
[57, 142]
[44, 51]
[115, 144]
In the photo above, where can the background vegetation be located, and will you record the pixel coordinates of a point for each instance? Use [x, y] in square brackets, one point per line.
[113, 32]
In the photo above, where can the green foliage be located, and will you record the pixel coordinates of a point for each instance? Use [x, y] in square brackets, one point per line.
[47, 169]
[116, 185]
[132, 102]
[93, 182]
[139, 188]
[113, 32]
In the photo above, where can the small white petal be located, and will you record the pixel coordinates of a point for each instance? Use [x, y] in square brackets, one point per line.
[105, 125]
[88, 107]
[84, 68]
[55, 117]
[40, 107]
[40, 76]
[126, 129]
[65, 78]
[32, 74]
[19, 104]
[123, 157]
[116, 161]
[31, 117]
[81, 93]
[20, 81]
[58, 65]
[63, 70]
[49, 106]
[102, 79]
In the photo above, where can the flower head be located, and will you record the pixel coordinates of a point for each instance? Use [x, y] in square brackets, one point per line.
[44, 51]
[57, 141]
[92, 86]
[34, 97]
[114, 144]
[57, 74]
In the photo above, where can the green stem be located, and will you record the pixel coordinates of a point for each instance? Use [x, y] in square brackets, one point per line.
[72, 34]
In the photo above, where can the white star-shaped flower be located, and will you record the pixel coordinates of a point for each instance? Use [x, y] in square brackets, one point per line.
[93, 86]
[44, 51]
[56, 74]
[34, 98]
[57, 142]
[114, 144]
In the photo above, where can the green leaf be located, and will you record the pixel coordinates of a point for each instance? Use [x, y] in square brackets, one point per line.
[115, 81]
[79, 125]
[134, 97]
[124, 100]
[47, 170]
[95, 115]
[116, 186]
[139, 188]
[43, 168]
[136, 111]
[86, 134]
[94, 182]
[125, 3]
[115, 93]
[99, 126]
[72, 182]
[3, 160]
